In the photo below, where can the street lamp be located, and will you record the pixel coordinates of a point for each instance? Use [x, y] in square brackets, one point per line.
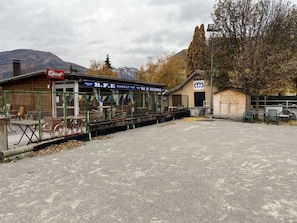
[211, 28]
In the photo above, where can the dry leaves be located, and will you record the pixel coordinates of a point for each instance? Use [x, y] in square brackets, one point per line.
[193, 119]
[56, 148]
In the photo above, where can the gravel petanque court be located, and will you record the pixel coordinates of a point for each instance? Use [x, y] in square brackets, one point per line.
[177, 171]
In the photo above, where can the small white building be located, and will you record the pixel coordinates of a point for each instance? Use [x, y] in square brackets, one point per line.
[231, 103]
[193, 93]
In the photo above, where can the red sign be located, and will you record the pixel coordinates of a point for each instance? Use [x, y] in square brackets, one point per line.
[55, 74]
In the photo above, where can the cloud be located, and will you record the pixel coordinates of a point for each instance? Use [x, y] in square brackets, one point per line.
[128, 30]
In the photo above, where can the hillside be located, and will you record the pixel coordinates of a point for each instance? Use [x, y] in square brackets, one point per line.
[182, 54]
[32, 60]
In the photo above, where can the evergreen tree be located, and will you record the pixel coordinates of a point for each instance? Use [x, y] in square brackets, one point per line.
[107, 62]
[101, 68]
[198, 52]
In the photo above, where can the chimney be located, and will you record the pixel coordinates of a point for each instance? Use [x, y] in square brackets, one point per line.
[16, 67]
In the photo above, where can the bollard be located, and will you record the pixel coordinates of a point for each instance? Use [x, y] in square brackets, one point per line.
[4, 121]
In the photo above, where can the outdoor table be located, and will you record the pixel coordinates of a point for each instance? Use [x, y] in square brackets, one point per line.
[24, 126]
[105, 109]
[12, 117]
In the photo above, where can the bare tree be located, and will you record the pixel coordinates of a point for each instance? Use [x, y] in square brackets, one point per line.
[100, 68]
[167, 69]
[255, 43]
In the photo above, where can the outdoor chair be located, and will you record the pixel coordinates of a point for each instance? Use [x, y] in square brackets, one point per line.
[272, 115]
[248, 115]
[52, 125]
[21, 113]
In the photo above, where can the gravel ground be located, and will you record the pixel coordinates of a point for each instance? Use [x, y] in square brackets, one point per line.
[198, 171]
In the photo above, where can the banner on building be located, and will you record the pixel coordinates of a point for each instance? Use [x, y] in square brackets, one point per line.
[120, 86]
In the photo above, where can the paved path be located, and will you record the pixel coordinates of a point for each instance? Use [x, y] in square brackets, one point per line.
[202, 171]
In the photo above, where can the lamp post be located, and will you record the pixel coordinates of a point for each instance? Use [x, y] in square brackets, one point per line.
[211, 28]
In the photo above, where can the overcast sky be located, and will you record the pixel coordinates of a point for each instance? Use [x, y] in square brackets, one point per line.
[129, 31]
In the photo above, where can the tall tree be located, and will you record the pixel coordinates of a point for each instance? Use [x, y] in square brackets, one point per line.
[95, 67]
[198, 52]
[168, 69]
[142, 74]
[255, 42]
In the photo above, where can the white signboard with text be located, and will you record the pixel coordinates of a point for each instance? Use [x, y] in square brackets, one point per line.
[198, 84]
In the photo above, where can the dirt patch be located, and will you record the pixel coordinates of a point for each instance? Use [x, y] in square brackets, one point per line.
[291, 122]
[193, 119]
[56, 148]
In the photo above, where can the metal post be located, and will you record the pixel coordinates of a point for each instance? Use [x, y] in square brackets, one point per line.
[211, 76]
[211, 28]
[39, 115]
[65, 112]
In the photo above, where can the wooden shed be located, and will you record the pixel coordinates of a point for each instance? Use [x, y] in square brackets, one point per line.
[231, 103]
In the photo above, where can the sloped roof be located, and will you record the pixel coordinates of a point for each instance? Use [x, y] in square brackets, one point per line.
[178, 87]
[233, 89]
[81, 76]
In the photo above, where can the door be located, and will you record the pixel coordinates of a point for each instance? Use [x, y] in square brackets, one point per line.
[176, 100]
[64, 100]
[199, 98]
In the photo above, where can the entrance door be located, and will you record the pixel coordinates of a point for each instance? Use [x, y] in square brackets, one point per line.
[64, 93]
[199, 98]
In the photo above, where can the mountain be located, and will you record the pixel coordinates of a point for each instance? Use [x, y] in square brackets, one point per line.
[128, 73]
[33, 60]
[182, 54]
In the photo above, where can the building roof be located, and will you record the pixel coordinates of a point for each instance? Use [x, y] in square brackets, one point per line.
[233, 89]
[80, 76]
[178, 87]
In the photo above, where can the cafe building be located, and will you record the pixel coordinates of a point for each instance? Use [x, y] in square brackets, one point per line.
[50, 89]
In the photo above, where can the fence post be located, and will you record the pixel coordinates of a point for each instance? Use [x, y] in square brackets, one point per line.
[4, 121]
[39, 115]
